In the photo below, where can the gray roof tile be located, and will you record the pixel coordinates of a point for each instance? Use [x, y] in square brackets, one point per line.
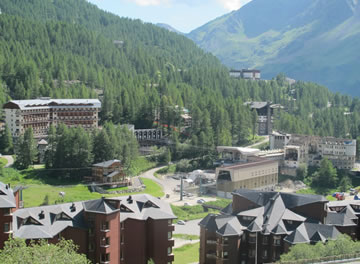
[7, 199]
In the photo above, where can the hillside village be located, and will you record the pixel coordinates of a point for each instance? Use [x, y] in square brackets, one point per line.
[141, 148]
[237, 172]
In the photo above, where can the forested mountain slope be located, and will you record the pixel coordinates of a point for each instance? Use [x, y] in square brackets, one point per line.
[71, 49]
[313, 40]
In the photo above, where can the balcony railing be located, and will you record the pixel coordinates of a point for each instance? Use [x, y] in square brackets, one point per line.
[211, 242]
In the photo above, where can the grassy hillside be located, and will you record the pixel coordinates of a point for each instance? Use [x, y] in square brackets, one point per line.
[313, 40]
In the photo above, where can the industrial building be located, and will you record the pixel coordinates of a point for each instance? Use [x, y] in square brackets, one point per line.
[243, 168]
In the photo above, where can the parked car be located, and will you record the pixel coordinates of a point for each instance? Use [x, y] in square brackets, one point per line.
[181, 222]
[200, 201]
[186, 204]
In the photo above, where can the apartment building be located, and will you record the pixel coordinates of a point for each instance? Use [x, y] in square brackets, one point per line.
[10, 200]
[120, 230]
[247, 74]
[259, 226]
[310, 150]
[265, 112]
[40, 113]
[242, 168]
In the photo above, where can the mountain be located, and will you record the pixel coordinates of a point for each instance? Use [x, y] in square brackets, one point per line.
[315, 40]
[168, 27]
[141, 72]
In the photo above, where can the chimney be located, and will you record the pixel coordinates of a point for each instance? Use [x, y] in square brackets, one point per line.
[41, 215]
[72, 208]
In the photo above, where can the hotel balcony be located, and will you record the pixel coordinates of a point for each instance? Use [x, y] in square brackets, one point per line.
[211, 242]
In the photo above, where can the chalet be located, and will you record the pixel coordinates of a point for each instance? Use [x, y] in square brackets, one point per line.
[110, 171]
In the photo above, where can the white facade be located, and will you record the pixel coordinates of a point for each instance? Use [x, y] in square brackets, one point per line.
[312, 149]
[39, 114]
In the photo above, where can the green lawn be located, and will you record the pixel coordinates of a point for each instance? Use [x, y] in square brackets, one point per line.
[116, 189]
[166, 170]
[197, 211]
[187, 254]
[3, 162]
[186, 237]
[326, 192]
[140, 165]
[34, 194]
[37, 186]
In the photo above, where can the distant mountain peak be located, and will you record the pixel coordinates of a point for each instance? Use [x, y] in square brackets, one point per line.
[312, 40]
[168, 27]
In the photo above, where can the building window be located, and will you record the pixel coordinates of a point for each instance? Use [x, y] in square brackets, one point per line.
[121, 254]
[277, 240]
[105, 258]
[247, 218]
[252, 237]
[91, 246]
[225, 255]
[122, 225]
[169, 222]
[105, 226]
[169, 235]
[105, 241]
[251, 253]
[265, 240]
[265, 253]
[91, 231]
[7, 211]
[7, 227]
[122, 238]
[169, 250]
[226, 240]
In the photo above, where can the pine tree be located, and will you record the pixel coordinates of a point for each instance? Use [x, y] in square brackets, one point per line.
[6, 142]
[26, 150]
[51, 148]
[103, 149]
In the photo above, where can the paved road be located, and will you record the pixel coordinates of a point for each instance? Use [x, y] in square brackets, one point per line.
[10, 160]
[190, 228]
[150, 175]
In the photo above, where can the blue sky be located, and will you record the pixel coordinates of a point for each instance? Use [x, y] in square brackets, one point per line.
[184, 15]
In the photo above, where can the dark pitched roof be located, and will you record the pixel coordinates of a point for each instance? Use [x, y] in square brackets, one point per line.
[144, 206]
[99, 206]
[47, 221]
[312, 232]
[223, 225]
[229, 226]
[291, 200]
[338, 219]
[274, 215]
[7, 199]
[280, 229]
[209, 222]
[227, 209]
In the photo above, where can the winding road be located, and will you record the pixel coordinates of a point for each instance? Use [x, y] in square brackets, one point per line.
[10, 160]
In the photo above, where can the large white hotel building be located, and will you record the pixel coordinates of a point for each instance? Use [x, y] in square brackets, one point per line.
[43, 112]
